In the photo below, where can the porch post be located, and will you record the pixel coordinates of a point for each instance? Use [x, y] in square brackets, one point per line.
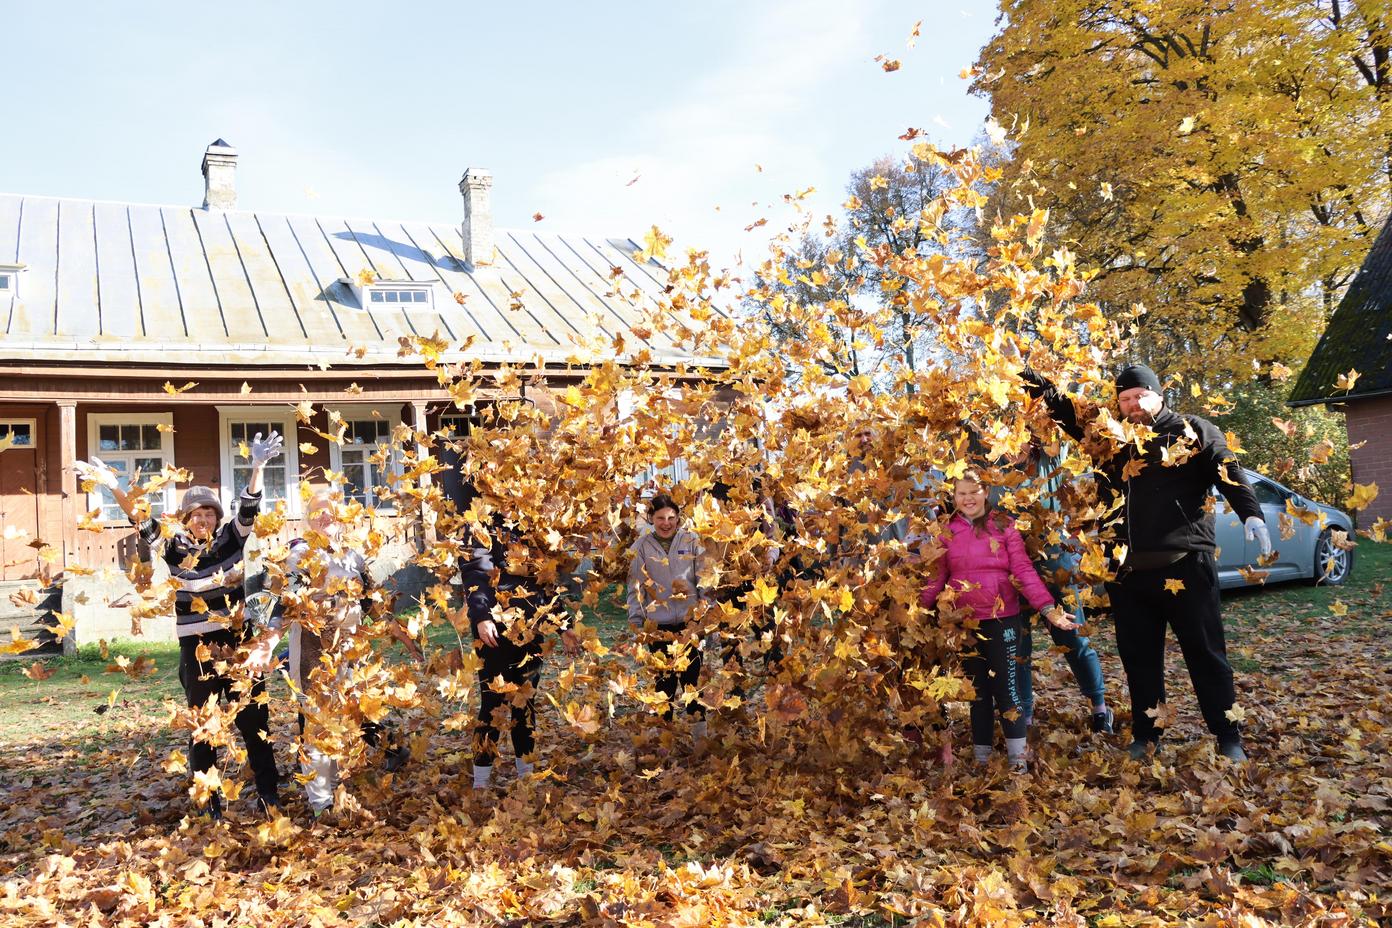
[426, 534]
[67, 453]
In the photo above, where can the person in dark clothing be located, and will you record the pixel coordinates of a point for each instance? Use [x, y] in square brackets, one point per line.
[205, 567]
[509, 614]
[1168, 573]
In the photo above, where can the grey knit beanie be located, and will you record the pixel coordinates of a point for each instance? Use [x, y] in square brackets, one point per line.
[198, 497]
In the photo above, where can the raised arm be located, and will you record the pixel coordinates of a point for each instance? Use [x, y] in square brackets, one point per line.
[262, 451]
[97, 473]
[1060, 407]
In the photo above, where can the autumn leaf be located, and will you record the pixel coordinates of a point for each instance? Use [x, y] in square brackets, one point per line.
[654, 248]
[304, 411]
[1338, 608]
[175, 391]
[1287, 427]
[1173, 585]
[1186, 125]
[17, 643]
[1105, 189]
[537, 217]
[308, 448]
[1279, 371]
[888, 64]
[366, 277]
[1362, 496]
[1236, 714]
[1345, 382]
[1164, 715]
[37, 671]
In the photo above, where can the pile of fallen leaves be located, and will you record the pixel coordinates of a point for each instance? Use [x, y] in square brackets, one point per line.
[765, 827]
[815, 800]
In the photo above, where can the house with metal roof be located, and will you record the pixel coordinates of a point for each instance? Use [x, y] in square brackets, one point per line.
[1358, 344]
[154, 335]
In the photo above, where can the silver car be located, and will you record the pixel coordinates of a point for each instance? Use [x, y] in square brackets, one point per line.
[1311, 554]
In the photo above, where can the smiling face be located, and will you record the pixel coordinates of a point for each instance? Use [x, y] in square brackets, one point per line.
[321, 514]
[202, 522]
[1139, 404]
[969, 498]
[665, 522]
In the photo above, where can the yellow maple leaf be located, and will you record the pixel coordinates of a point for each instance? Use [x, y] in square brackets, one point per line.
[366, 277]
[1363, 495]
[1236, 714]
[304, 410]
[1279, 371]
[654, 246]
[175, 391]
[1337, 608]
[1174, 585]
[1345, 382]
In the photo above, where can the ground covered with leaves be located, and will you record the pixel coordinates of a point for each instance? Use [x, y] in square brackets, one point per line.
[770, 825]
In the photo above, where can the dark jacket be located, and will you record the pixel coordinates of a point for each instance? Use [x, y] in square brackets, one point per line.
[1164, 505]
[485, 574]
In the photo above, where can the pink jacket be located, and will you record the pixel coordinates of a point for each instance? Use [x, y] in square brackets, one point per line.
[981, 568]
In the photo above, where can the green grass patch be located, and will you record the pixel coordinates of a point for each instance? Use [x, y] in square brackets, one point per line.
[1367, 596]
[81, 698]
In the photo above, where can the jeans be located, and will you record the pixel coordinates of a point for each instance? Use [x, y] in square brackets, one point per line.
[1081, 656]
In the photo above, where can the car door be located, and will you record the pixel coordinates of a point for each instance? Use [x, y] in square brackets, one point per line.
[1289, 552]
[1232, 550]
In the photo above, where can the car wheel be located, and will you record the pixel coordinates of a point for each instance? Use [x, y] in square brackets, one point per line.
[1332, 563]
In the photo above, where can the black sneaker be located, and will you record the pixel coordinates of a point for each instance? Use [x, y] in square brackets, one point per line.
[269, 805]
[1232, 750]
[1102, 722]
[1139, 750]
[212, 811]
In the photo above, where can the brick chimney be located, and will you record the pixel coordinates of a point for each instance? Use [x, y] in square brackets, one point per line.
[477, 187]
[220, 176]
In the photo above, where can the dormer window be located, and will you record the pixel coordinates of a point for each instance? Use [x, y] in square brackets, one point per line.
[9, 280]
[375, 293]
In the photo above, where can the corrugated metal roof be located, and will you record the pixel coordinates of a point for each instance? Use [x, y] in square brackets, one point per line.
[122, 282]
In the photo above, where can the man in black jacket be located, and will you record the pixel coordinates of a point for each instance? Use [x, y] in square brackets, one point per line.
[1168, 573]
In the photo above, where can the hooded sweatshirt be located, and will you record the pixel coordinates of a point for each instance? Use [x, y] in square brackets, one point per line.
[662, 582]
[984, 569]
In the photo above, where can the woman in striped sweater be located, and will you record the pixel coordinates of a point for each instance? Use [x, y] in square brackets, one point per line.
[205, 571]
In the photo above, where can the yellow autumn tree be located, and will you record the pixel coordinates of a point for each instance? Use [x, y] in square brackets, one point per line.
[1221, 163]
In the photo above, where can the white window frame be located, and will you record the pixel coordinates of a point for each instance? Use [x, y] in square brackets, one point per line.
[389, 413]
[7, 428]
[672, 474]
[364, 293]
[95, 420]
[13, 272]
[278, 417]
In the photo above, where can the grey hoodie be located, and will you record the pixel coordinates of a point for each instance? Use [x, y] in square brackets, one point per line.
[654, 573]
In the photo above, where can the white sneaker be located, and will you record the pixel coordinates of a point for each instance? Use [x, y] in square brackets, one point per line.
[524, 769]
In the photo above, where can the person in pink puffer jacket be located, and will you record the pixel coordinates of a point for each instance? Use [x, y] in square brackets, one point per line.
[985, 569]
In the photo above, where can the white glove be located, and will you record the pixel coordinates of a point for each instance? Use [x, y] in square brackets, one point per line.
[263, 451]
[1256, 531]
[97, 472]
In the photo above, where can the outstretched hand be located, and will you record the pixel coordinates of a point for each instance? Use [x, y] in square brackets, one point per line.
[267, 449]
[96, 472]
[1058, 617]
[1258, 532]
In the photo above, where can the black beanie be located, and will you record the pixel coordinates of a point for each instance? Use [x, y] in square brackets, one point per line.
[1138, 375]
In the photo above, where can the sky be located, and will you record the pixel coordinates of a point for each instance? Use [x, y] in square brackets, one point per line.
[604, 118]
